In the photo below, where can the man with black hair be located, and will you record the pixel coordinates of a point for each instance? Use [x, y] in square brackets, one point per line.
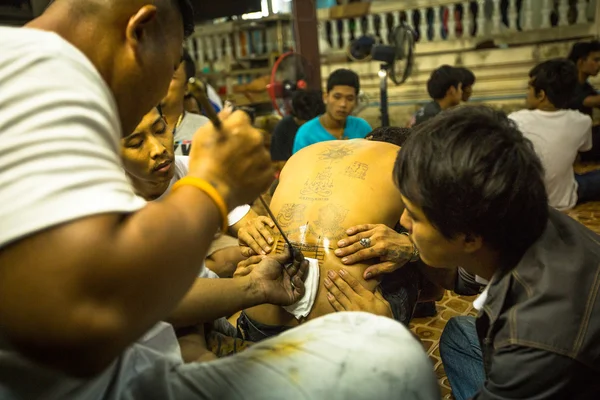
[183, 124]
[306, 105]
[558, 134]
[586, 56]
[482, 205]
[445, 88]
[390, 134]
[343, 86]
[88, 270]
[468, 81]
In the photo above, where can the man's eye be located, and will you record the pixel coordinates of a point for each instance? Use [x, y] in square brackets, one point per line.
[135, 145]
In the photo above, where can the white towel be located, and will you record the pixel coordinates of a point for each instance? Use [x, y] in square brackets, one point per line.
[303, 306]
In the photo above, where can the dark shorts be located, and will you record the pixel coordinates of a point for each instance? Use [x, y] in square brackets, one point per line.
[253, 331]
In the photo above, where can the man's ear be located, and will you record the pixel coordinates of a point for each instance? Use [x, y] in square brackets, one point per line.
[541, 95]
[138, 25]
[325, 97]
[472, 243]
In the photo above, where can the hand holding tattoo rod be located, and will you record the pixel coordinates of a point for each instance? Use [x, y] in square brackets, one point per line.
[198, 91]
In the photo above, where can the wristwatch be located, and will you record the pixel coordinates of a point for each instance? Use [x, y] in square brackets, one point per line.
[415, 252]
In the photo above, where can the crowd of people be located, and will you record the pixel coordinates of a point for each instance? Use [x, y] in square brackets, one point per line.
[128, 233]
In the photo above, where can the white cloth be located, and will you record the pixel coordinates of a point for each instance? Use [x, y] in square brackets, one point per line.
[302, 307]
[181, 170]
[557, 137]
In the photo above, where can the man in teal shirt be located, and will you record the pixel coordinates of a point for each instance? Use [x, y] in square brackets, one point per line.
[343, 86]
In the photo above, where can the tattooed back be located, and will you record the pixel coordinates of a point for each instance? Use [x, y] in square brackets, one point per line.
[328, 187]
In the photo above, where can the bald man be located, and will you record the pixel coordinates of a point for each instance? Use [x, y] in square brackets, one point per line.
[87, 269]
[323, 190]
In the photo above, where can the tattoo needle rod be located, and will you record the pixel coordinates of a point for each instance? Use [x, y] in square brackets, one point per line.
[283, 235]
[213, 117]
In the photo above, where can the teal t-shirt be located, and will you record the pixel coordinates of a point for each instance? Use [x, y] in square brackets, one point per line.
[313, 132]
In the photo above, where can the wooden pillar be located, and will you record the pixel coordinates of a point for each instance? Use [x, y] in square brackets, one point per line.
[307, 38]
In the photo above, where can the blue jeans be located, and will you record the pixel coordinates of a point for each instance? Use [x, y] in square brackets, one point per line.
[462, 357]
[588, 188]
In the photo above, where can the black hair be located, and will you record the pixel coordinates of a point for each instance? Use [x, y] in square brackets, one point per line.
[557, 78]
[343, 77]
[472, 172]
[441, 80]
[307, 104]
[189, 65]
[467, 76]
[187, 14]
[390, 134]
[582, 50]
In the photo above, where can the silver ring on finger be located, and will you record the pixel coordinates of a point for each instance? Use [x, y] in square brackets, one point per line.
[365, 242]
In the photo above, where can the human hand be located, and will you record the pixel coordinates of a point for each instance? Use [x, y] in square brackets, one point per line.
[255, 238]
[233, 159]
[392, 248]
[277, 284]
[347, 294]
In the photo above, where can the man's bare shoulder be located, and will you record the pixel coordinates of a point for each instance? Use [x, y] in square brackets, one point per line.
[335, 151]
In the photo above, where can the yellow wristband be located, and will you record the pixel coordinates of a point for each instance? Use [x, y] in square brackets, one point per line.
[210, 191]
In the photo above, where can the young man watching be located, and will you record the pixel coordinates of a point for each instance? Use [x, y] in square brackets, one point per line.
[586, 56]
[558, 134]
[343, 86]
[445, 88]
[468, 81]
[483, 206]
[306, 105]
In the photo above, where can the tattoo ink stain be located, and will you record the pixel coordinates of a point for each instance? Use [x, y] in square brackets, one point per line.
[280, 349]
[294, 375]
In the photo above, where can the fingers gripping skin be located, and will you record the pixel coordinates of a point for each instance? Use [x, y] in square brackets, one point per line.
[256, 237]
[347, 294]
[392, 248]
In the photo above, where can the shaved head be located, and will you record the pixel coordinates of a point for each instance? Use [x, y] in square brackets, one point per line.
[136, 45]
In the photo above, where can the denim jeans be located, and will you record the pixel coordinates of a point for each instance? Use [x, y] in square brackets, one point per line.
[588, 186]
[462, 357]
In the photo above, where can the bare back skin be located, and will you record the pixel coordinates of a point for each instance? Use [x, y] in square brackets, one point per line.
[323, 190]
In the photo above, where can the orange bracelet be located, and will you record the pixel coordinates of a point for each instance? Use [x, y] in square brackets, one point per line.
[210, 191]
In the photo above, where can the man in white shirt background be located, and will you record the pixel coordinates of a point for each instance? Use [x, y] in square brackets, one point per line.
[87, 267]
[557, 133]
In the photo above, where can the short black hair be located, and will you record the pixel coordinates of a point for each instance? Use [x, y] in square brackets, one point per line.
[307, 104]
[582, 50]
[472, 172]
[390, 134]
[187, 13]
[442, 79]
[467, 76]
[189, 65]
[343, 77]
[557, 78]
